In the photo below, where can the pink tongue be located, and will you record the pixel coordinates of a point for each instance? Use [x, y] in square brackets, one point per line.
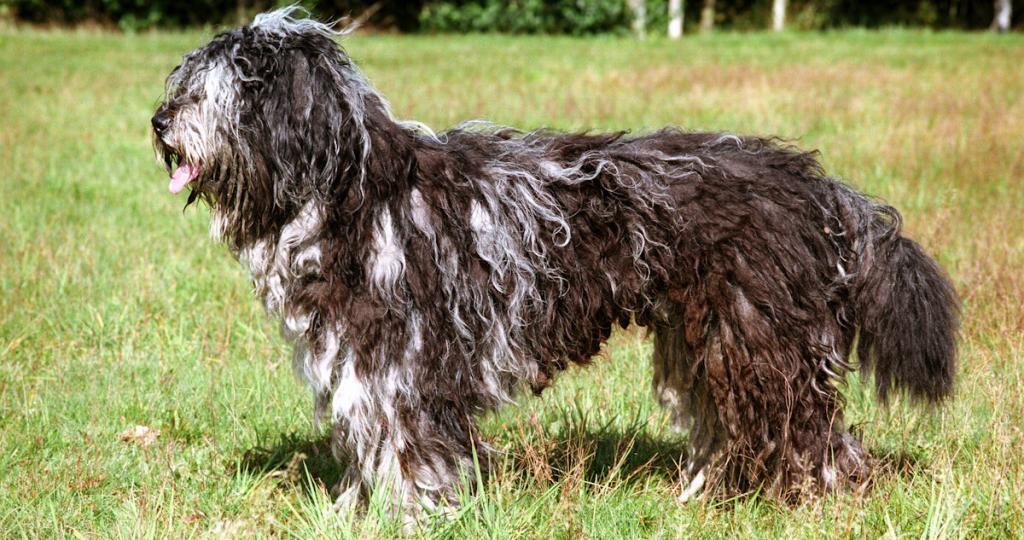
[182, 176]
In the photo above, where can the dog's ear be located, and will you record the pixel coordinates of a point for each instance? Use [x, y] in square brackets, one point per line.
[306, 119]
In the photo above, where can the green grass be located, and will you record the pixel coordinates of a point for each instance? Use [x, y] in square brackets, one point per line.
[116, 310]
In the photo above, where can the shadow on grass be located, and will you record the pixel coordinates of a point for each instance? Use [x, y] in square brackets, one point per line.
[574, 452]
[295, 459]
[898, 462]
[601, 454]
[579, 452]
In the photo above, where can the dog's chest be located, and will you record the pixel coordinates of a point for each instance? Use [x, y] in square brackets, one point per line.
[277, 264]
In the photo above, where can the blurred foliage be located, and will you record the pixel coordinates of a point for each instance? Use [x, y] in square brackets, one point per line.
[526, 16]
[127, 14]
[140, 14]
[514, 16]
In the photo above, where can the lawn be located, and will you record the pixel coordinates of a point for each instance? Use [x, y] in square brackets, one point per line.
[117, 311]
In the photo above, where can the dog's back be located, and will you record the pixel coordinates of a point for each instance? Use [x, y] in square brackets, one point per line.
[756, 270]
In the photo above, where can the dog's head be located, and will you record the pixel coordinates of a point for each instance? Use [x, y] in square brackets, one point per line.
[264, 117]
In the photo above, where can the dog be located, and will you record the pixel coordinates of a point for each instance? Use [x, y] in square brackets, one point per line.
[425, 278]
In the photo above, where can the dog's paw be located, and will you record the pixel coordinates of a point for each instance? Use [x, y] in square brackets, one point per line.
[349, 492]
[694, 490]
[418, 516]
[348, 500]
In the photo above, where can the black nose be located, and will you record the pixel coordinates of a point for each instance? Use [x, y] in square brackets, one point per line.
[161, 121]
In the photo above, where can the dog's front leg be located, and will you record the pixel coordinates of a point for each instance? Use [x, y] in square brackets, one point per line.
[349, 491]
[413, 449]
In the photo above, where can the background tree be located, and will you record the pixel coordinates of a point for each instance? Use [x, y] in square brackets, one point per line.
[675, 18]
[1001, 22]
[778, 15]
[707, 16]
[639, 9]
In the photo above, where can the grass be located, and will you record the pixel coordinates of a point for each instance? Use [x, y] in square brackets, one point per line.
[115, 309]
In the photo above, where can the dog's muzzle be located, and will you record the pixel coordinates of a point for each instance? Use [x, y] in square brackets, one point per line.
[185, 172]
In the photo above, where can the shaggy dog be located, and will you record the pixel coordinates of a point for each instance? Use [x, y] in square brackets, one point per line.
[426, 278]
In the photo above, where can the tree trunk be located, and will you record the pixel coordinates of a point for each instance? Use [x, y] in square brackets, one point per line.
[1001, 22]
[779, 15]
[675, 19]
[707, 16]
[639, 8]
[242, 12]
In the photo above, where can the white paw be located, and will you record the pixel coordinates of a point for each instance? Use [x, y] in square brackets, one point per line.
[692, 490]
[349, 491]
[347, 500]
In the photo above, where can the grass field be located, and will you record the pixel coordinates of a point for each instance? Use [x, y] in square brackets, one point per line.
[116, 310]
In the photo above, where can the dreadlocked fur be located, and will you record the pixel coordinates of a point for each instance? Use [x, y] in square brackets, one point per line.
[425, 279]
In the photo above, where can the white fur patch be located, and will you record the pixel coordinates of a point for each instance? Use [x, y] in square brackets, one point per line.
[348, 393]
[696, 484]
[388, 262]
[828, 476]
[420, 212]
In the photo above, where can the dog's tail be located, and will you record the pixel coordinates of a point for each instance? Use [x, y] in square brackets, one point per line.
[907, 312]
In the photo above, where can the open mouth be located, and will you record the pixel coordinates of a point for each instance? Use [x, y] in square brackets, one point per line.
[182, 173]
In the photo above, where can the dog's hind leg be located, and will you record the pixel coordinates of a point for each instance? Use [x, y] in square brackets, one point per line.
[681, 387]
[773, 389]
